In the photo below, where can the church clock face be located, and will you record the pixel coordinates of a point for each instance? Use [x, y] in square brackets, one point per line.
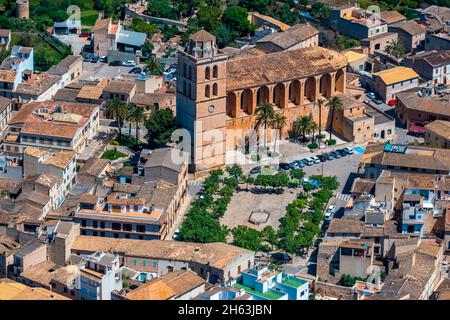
[211, 108]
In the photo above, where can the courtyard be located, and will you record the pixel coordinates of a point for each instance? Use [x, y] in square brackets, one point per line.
[243, 203]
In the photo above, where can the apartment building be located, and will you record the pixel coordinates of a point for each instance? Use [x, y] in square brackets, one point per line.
[69, 69]
[433, 66]
[61, 165]
[388, 83]
[52, 125]
[411, 35]
[437, 133]
[99, 276]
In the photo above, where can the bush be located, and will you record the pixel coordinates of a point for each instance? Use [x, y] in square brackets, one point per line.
[113, 154]
[331, 142]
[114, 143]
[313, 146]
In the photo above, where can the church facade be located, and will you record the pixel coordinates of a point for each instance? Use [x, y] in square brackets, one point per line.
[217, 96]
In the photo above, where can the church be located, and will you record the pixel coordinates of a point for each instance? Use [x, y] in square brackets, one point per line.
[217, 96]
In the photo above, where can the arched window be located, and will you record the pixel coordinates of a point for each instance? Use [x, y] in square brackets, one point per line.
[215, 89]
[188, 93]
[215, 72]
[184, 87]
[190, 72]
[207, 72]
[184, 69]
[207, 91]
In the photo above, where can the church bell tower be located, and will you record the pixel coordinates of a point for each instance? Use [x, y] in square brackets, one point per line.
[201, 100]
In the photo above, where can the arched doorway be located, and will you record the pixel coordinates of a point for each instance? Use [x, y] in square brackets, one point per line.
[294, 92]
[310, 89]
[262, 96]
[231, 104]
[339, 81]
[279, 92]
[325, 85]
[247, 101]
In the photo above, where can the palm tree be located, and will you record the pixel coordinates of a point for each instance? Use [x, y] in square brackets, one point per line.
[319, 104]
[138, 117]
[334, 103]
[301, 126]
[118, 109]
[278, 122]
[131, 107]
[264, 115]
[395, 48]
[154, 66]
[313, 126]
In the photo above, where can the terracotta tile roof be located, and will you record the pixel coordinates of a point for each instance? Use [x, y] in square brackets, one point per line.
[202, 36]
[38, 85]
[410, 27]
[396, 74]
[51, 129]
[415, 157]
[7, 75]
[291, 36]
[282, 66]
[440, 128]
[219, 255]
[60, 159]
[391, 16]
[170, 285]
[93, 92]
[5, 33]
[363, 186]
[11, 290]
[428, 182]
[120, 86]
[94, 166]
[434, 104]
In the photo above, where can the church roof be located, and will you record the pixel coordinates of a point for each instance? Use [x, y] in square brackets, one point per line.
[282, 66]
[202, 36]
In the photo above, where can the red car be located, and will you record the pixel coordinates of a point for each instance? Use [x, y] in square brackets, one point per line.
[84, 34]
[391, 102]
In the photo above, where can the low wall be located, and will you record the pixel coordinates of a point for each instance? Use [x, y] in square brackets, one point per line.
[182, 26]
[333, 291]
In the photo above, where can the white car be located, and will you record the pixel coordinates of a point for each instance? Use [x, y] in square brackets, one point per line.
[315, 159]
[309, 161]
[176, 234]
[129, 63]
[349, 150]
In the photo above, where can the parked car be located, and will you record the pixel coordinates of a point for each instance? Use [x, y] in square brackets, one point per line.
[294, 165]
[330, 212]
[128, 63]
[87, 57]
[115, 63]
[284, 166]
[377, 101]
[176, 234]
[315, 159]
[371, 95]
[135, 70]
[337, 155]
[309, 161]
[84, 34]
[322, 158]
[95, 58]
[255, 170]
[104, 59]
[300, 163]
[341, 152]
[329, 155]
[349, 150]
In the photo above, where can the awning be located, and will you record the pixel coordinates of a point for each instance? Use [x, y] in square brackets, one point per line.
[416, 128]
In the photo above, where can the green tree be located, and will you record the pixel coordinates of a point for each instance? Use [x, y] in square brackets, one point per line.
[395, 48]
[160, 125]
[200, 226]
[264, 116]
[153, 66]
[235, 19]
[234, 171]
[304, 125]
[297, 174]
[147, 49]
[319, 103]
[223, 36]
[247, 238]
[208, 18]
[119, 111]
[334, 103]
[268, 234]
[161, 9]
[137, 116]
[278, 122]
